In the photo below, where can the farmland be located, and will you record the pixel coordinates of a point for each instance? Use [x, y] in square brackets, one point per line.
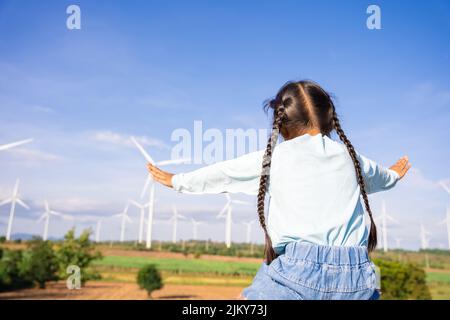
[194, 276]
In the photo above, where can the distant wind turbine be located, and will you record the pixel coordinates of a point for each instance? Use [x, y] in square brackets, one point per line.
[195, 225]
[228, 208]
[46, 216]
[149, 181]
[13, 200]
[248, 226]
[384, 217]
[174, 219]
[446, 221]
[397, 242]
[424, 237]
[14, 144]
[141, 207]
[125, 218]
[97, 230]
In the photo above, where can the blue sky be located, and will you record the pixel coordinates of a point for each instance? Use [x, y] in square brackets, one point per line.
[149, 67]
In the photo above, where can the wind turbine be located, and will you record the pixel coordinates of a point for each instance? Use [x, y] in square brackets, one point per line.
[14, 144]
[397, 242]
[384, 217]
[97, 230]
[13, 200]
[424, 239]
[248, 225]
[195, 225]
[447, 222]
[152, 188]
[46, 215]
[125, 218]
[141, 217]
[174, 219]
[228, 208]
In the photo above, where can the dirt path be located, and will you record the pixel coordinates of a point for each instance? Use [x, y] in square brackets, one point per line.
[122, 291]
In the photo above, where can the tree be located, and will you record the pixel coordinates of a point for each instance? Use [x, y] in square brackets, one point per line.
[11, 277]
[80, 252]
[402, 281]
[149, 279]
[39, 263]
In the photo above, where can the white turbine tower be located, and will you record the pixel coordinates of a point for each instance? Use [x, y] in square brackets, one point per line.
[14, 144]
[125, 218]
[195, 225]
[141, 207]
[13, 200]
[152, 187]
[248, 226]
[98, 229]
[228, 208]
[424, 237]
[397, 242]
[446, 221]
[384, 218]
[174, 219]
[46, 216]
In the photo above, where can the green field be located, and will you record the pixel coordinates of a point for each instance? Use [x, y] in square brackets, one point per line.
[180, 266]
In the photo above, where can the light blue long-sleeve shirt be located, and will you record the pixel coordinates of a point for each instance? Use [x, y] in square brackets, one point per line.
[313, 191]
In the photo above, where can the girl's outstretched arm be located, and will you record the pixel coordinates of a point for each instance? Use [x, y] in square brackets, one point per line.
[378, 178]
[241, 174]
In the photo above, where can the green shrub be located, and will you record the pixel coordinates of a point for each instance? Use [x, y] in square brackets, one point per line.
[11, 277]
[80, 252]
[149, 279]
[39, 263]
[402, 281]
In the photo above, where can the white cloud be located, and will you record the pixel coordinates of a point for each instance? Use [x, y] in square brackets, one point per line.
[33, 155]
[42, 109]
[124, 140]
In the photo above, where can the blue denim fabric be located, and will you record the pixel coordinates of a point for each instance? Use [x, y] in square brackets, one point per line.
[312, 272]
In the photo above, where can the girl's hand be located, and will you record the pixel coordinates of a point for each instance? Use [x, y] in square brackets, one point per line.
[162, 177]
[401, 166]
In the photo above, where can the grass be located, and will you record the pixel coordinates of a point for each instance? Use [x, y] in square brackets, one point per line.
[439, 284]
[179, 266]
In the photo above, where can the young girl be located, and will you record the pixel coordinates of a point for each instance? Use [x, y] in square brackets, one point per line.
[317, 242]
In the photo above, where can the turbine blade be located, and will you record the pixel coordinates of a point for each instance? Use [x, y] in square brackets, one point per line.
[174, 161]
[136, 204]
[16, 188]
[241, 202]
[224, 209]
[147, 183]
[47, 207]
[6, 201]
[391, 219]
[142, 150]
[443, 185]
[23, 204]
[128, 219]
[14, 144]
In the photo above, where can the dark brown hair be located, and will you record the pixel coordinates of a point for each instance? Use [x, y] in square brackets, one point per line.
[300, 106]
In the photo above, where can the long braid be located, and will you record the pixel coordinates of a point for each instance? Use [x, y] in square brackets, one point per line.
[279, 116]
[372, 243]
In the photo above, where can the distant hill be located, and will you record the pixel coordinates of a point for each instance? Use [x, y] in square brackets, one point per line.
[27, 236]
